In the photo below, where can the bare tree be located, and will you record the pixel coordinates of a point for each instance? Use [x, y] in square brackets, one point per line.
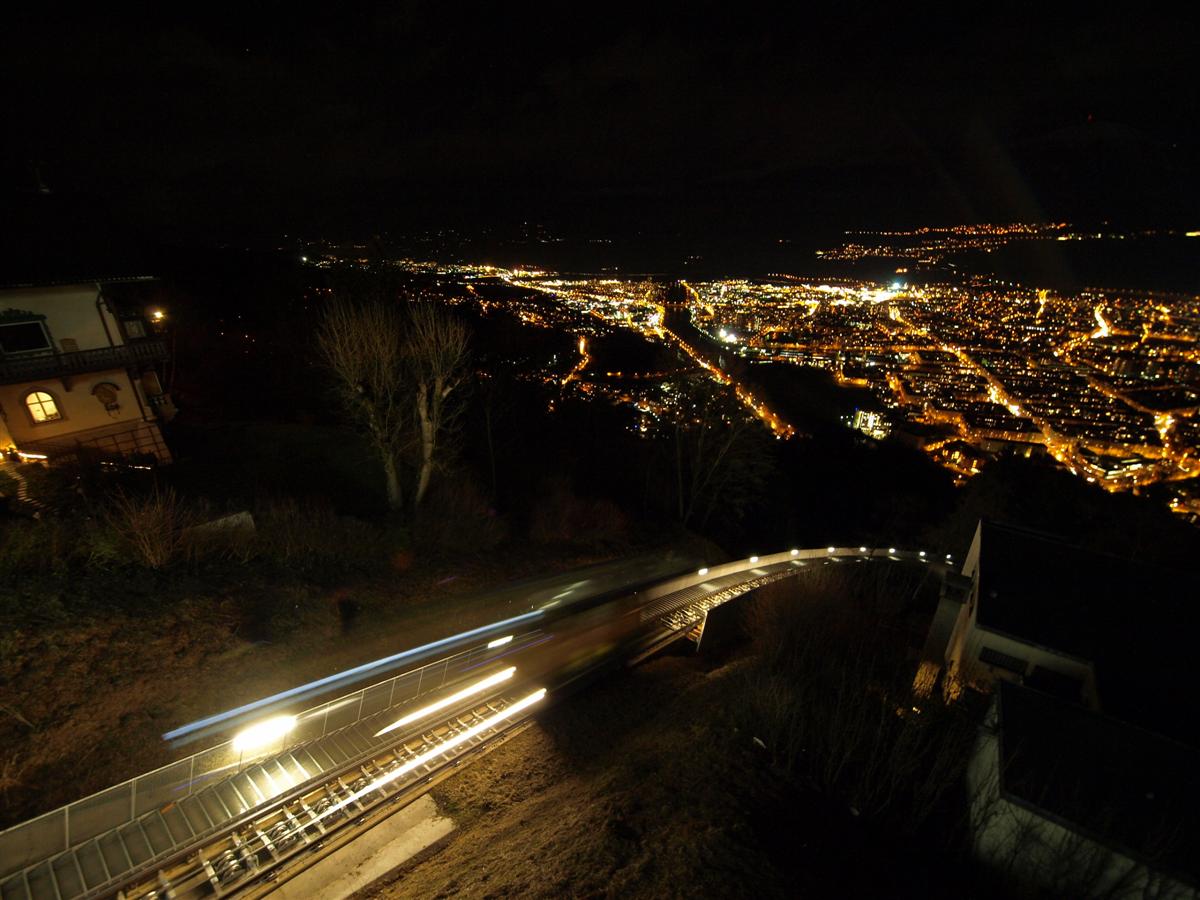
[364, 346]
[437, 356]
[721, 460]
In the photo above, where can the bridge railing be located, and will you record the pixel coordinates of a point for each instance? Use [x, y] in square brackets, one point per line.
[748, 565]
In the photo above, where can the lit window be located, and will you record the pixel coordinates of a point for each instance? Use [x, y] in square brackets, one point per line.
[42, 407]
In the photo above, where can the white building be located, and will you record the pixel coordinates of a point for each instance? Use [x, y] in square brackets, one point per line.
[1066, 799]
[78, 373]
[1018, 623]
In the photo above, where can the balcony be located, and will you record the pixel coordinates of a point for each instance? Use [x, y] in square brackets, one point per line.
[33, 366]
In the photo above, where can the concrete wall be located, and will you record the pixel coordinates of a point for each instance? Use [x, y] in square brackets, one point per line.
[970, 670]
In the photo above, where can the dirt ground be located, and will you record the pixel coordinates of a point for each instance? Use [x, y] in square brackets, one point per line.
[635, 788]
[83, 706]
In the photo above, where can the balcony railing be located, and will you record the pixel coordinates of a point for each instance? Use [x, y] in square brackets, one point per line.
[31, 367]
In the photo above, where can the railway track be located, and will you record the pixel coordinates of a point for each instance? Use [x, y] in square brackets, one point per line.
[251, 854]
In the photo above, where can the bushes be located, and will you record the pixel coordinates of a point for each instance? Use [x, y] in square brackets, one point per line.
[158, 531]
[153, 526]
[830, 694]
[35, 546]
[561, 517]
[148, 530]
[454, 517]
[310, 537]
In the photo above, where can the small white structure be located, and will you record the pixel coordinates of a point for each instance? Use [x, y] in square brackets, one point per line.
[78, 374]
[1015, 623]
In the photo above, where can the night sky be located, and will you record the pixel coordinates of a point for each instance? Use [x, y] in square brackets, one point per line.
[259, 122]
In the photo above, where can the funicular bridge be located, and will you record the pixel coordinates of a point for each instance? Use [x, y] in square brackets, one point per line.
[247, 813]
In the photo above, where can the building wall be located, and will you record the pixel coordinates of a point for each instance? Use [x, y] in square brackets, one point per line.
[971, 670]
[73, 314]
[963, 626]
[80, 409]
[70, 312]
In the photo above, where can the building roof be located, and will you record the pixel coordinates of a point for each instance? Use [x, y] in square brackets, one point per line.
[1043, 590]
[1133, 790]
[1135, 623]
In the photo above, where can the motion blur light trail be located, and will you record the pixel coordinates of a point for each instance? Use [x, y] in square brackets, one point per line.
[193, 729]
[470, 690]
[458, 740]
[263, 733]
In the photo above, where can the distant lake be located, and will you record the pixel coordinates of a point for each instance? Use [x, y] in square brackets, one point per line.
[1149, 263]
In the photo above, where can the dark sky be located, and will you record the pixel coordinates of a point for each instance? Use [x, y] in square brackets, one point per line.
[280, 119]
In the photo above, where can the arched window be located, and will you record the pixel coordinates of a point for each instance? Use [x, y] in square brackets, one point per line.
[42, 407]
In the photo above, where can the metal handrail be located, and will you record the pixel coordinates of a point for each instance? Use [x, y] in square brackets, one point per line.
[54, 364]
[125, 793]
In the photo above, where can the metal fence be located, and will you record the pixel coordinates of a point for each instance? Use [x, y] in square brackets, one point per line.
[56, 831]
[78, 362]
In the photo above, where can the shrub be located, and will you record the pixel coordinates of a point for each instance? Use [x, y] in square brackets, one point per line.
[454, 516]
[311, 537]
[32, 546]
[153, 525]
[830, 694]
[561, 517]
[100, 546]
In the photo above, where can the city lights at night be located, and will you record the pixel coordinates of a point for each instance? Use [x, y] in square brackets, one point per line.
[553, 452]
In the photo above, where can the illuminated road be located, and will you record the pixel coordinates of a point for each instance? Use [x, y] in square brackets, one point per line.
[293, 784]
[756, 405]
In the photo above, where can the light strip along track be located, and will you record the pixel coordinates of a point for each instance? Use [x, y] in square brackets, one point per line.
[256, 845]
[685, 616]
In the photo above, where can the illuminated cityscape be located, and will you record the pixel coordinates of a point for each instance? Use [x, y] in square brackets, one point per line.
[1105, 382]
[564, 453]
